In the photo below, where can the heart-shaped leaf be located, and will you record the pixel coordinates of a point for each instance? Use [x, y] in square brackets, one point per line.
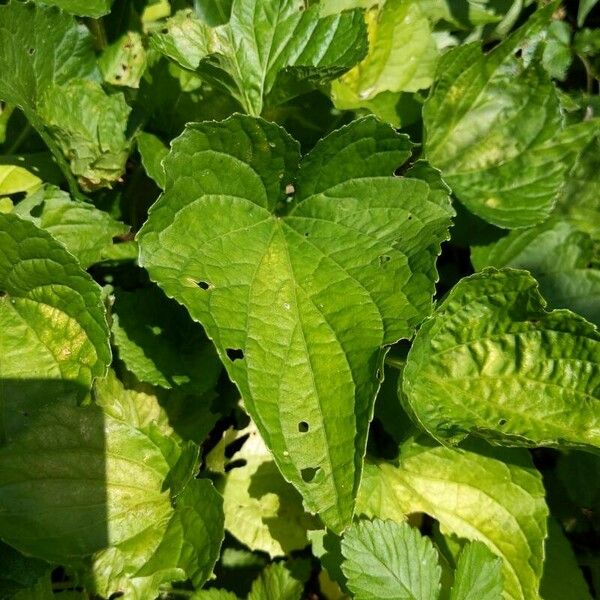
[300, 277]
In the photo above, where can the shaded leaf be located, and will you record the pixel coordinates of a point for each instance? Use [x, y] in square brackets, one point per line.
[152, 151]
[276, 583]
[562, 576]
[54, 332]
[558, 256]
[160, 344]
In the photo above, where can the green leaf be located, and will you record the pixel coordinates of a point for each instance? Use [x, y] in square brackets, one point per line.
[495, 129]
[557, 55]
[152, 151]
[160, 344]
[402, 57]
[276, 583]
[213, 594]
[579, 200]
[89, 127]
[277, 292]
[384, 559]
[562, 576]
[15, 180]
[83, 8]
[213, 12]
[558, 256]
[62, 52]
[85, 231]
[76, 481]
[494, 495]
[266, 44]
[585, 7]
[478, 574]
[262, 510]
[19, 572]
[493, 362]
[54, 332]
[124, 61]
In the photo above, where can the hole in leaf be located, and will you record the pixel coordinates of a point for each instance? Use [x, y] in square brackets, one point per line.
[117, 77]
[410, 217]
[384, 258]
[303, 427]
[203, 285]
[501, 422]
[306, 234]
[234, 354]
[31, 51]
[36, 211]
[309, 473]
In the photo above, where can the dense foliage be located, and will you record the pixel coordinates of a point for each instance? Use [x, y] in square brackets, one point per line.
[299, 299]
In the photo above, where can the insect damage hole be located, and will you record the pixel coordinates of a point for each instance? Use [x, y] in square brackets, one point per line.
[203, 285]
[309, 474]
[303, 427]
[234, 354]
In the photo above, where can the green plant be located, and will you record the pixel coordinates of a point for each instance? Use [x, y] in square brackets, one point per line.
[299, 299]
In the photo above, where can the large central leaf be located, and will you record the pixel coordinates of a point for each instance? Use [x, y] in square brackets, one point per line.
[300, 294]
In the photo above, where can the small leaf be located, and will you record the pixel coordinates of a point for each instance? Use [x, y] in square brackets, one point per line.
[88, 126]
[54, 333]
[402, 57]
[493, 362]
[562, 576]
[478, 574]
[278, 37]
[585, 7]
[268, 286]
[494, 495]
[494, 127]
[276, 583]
[384, 559]
[152, 151]
[84, 230]
[124, 61]
[160, 344]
